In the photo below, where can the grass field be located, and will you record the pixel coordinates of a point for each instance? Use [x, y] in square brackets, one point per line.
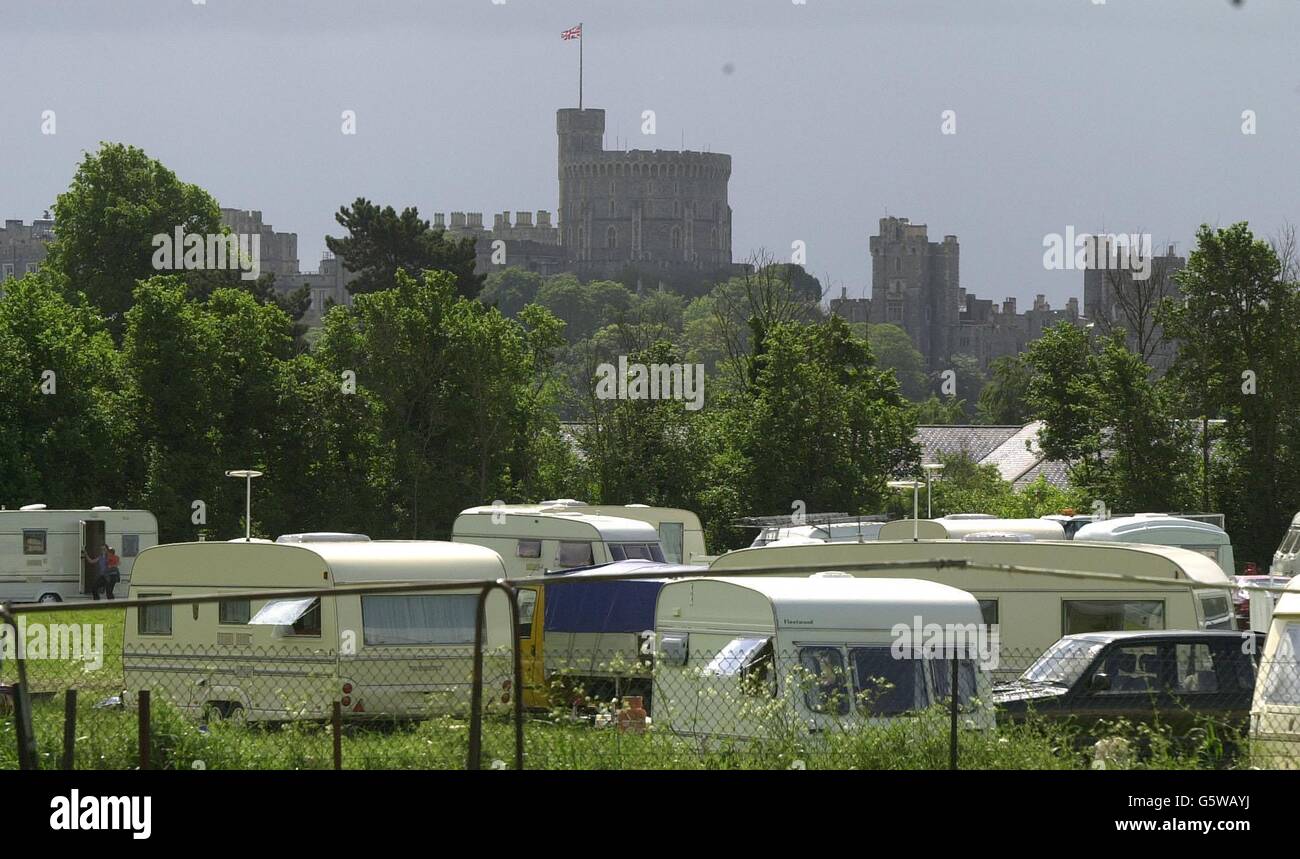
[107, 736]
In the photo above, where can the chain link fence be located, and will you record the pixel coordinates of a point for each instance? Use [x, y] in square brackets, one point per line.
[438, 684]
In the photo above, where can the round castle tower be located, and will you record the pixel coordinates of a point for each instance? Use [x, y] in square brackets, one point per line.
[640, 208]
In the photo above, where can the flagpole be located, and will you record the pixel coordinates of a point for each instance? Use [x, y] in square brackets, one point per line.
[580, 41]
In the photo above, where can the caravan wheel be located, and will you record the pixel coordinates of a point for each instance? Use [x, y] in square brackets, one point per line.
[231, 712]
[49, 598]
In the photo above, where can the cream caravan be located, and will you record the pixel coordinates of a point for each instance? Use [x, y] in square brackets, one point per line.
[681, 535]
[1158, 529]
[1100, 586]
[736, 657]
[533, 542]
[964, 525]
[40, 549]
[1275, 711]
[405, 654]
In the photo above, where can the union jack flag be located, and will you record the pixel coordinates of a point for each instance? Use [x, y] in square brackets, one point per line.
[572, 33]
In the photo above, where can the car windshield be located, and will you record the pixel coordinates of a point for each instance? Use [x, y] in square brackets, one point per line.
[1063, 663]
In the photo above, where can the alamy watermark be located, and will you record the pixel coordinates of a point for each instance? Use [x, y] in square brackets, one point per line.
[978, 642]
[67, 642]
[1107, 251]
[182, 251]
[651, 382]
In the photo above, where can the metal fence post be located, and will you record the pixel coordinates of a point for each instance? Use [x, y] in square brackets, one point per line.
[26, 737]
[69, 729]
[473, 758]
[338, 735]
[952, 730]
[142, 713]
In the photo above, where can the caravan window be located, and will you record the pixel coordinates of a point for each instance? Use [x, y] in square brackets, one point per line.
[884, 685]
[233, 612]
[734, 656]
[303, 615]
[527, 609]
[154, 619]
[1111, 615]
[1216, 612]
[636, 552]
[420, 619]
[941, 678]
[528, 549]
[1282, 683]
[573, 554]
[33, 541]
[130, 545]
[826, 687]
[989, 609]
[672, 536]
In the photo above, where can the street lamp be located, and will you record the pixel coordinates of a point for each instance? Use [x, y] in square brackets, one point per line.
[248, 475]
[930, 468]
[1206, 423]
[915, 486]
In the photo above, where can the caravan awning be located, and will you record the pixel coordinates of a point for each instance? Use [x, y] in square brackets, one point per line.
[282, 612]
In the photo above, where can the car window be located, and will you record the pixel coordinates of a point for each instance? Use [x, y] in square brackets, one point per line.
[1194, 669]
[1131, 669]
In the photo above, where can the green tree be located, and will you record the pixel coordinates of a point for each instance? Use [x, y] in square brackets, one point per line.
[64, 424]
[511, 289]
[1005, 399]
[1237, 360]
[380, 242]
[895, 351]
[119, 199]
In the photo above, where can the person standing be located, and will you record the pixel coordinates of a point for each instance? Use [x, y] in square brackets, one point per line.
[113, 575]
[99, 564]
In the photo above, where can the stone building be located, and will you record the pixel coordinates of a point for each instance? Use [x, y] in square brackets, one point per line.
[1113, 299]
[22, 247]
[279, 251]
[915, 284]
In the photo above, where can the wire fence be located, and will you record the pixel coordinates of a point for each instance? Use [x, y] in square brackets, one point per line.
[462, 676]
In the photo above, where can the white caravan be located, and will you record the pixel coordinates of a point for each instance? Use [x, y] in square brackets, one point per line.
[1158, 529]
[1275, 710]
[751, 657]
[680, 533]
[380, 655]
[830, 532]
[1165, 588]
[533, 542]
[1286, 560]
[961, 525]
[40, 549]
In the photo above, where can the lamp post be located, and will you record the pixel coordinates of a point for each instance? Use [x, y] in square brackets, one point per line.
[1206, 423]
[915, 486]
[248, 475]
[930, 468]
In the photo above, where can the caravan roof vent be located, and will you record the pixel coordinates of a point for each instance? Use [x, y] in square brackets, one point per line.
[831, 574]
[636, 505]
[32, 507]
[323, 537]
[248, 540]
[101, 509]
[960, 516]
[564, 502]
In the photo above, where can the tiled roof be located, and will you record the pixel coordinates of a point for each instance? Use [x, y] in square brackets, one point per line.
[1013, 450]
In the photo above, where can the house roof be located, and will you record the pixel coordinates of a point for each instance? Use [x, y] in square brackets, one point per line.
[1013, 450]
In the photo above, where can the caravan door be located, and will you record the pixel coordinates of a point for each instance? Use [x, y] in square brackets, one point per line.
[93, 539]
[529, 640]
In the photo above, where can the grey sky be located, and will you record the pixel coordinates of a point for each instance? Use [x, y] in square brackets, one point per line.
[1125, 114]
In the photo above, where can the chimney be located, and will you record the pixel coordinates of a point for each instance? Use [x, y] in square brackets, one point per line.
[543, 218]
[1009, 306]
[438, 222]
[458, 220]
[523, 219]
[500, 221]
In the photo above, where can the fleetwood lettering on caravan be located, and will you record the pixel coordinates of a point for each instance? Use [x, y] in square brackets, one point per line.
[380, 655]
[1166, 588]
[41, 549]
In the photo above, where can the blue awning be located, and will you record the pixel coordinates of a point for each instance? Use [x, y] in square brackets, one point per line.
[595, 606]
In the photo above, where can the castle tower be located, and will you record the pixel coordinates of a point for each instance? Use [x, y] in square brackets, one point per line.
[915, 285]
[656, 211]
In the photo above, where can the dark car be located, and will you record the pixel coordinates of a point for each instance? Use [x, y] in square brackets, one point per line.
[1174, 677]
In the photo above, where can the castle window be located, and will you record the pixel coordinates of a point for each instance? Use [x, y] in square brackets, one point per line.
[611, 208]
[677, 208]
[898, 264]
[675, 238]
[611, 187]
[611, 238]
[713, 238]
